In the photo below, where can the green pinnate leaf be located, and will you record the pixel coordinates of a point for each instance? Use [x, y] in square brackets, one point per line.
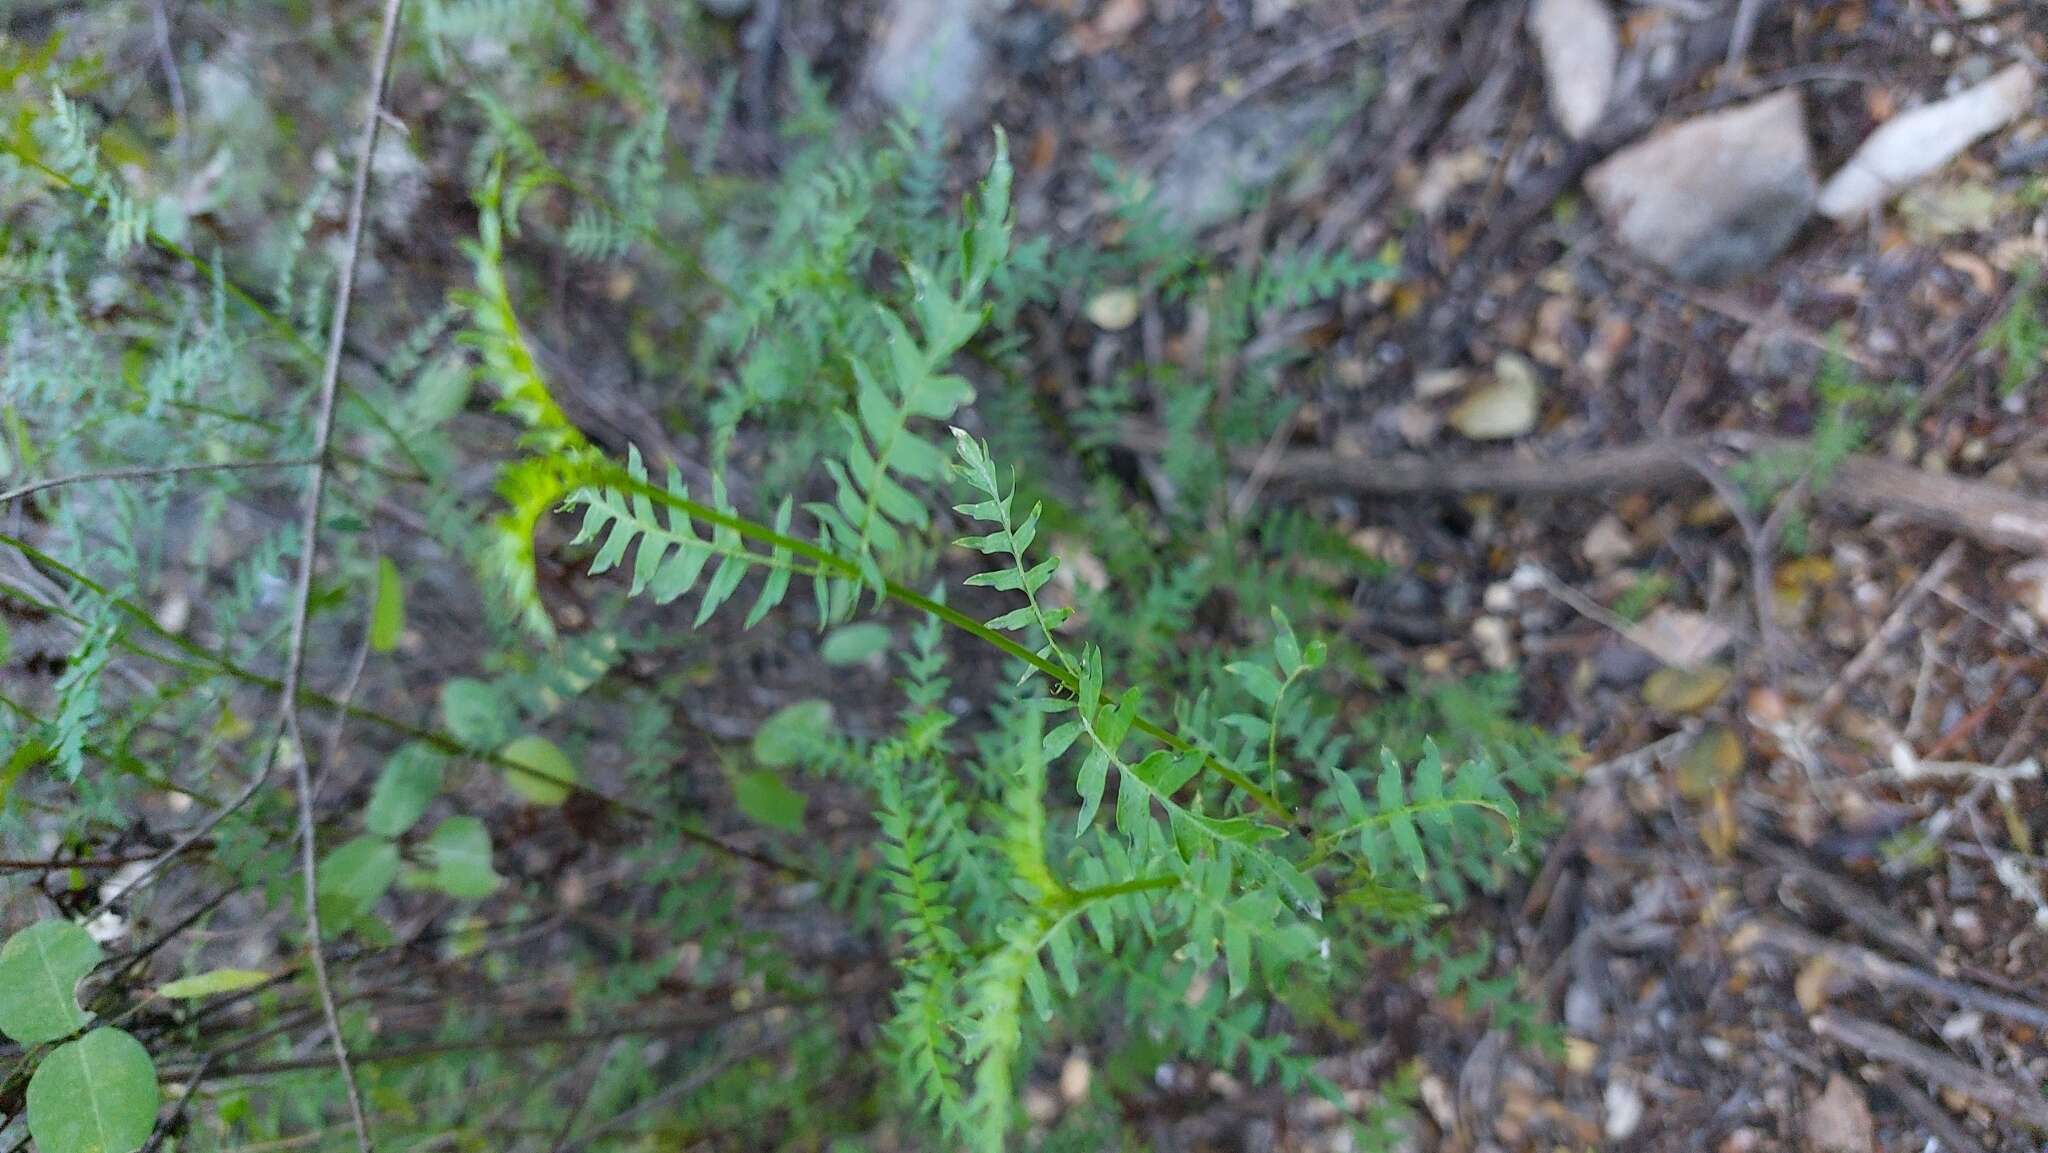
[767, 800]
[40, 968]
[1092, 781]
[1285, 647]
[409, 783]
[790, 732]
[475, 712]
[97, 1094]
[352, 879]
[852, 644]
[459, 855]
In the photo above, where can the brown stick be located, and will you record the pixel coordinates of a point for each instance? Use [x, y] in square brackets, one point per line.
[1884, 1044]
[1877, 967]
[1861, 484]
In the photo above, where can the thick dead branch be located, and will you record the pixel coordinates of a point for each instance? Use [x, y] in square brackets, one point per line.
[1888, 1046]
[1859, 484]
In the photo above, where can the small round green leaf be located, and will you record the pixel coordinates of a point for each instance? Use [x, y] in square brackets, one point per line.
[353, 878]
[476, 713]
[212, 983]
[40, 968]
[855, 643]
[97, 1094]
[409, 783]
[766, 800]
[545, 773]
[460, 852]
[783, 738]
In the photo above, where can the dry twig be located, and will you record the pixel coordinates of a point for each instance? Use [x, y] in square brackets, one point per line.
[145, 472]
[1889, 1046]
[309, 537]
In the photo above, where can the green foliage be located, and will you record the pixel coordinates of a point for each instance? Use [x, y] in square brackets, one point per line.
[2020, 334]
[97, 1094]
[538, 770]
[40, 968]
[1123, 793]
[211, 984]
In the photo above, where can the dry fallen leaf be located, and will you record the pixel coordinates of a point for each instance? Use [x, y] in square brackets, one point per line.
[1712, 762]
[1114, 309]
[1680, 638]
[1502, 409]
[1685, 691]
[1112, 25]
[1817, 980]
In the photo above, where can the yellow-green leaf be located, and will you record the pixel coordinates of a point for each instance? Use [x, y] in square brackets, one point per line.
[544, 775]
[1686, 691]
[212, 983]
[387, 613]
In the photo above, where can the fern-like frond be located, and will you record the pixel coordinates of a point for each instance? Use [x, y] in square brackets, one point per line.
[1301, 278]
[669, 555]
[1421, 819]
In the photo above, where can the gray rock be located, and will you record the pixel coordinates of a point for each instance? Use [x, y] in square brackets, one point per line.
[1714, 197]
[931, 59]
[1207, 176]
[726, 9]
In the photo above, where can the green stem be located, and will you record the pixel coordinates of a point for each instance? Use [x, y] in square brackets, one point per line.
[1123, 888]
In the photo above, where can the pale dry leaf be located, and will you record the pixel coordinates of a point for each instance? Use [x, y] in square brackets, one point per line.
[1504, 408]
[1812, 986]
[1114, 309]
[1681, 638]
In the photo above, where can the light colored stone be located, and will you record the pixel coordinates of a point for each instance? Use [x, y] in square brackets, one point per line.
[1495, 640]
[1716, 196]
[1838, 1121]
[1914, 144]
[931, 60]
[1580, 48]
[1607, 543]
[1621, 1109]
